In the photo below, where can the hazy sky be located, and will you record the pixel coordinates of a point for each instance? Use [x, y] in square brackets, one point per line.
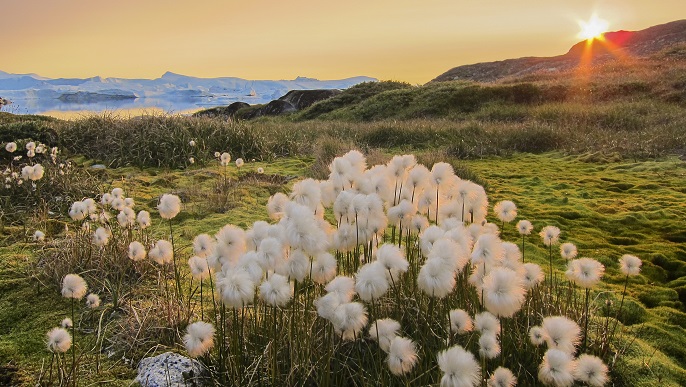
[408, 40]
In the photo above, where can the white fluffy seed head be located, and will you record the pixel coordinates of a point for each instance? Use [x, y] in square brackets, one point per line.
[488, 250]
[324, 268]
[436, 279]
[203, 245]
[460, 368]
[585, 272]
[550, 235]
[73, 286]
[59, 340]
[460, 321]
[402, 355]
[486, 323]
[536, 335]
[371, 282]
[630, 265]
[136, 251]
[561, 333]
[503, 291]
[533, 275]
[93, 301]
[568, 250]
[235, 287]
[162, 253]
[387, 329]
[591, 370]
[143, 219]
[343, 287]
[502, 377]
[349, 319]
[506, 211]
[556, 369]
[170, 206]
[524, 227]
[276, 291]
[199, 267]
[489, 347]
[199, 338]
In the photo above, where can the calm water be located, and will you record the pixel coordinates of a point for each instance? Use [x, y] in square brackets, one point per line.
[124, 108]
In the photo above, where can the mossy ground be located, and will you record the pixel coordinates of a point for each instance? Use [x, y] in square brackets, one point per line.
[607, 208]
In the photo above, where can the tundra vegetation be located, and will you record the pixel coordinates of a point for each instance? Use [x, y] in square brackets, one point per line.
[530, 229]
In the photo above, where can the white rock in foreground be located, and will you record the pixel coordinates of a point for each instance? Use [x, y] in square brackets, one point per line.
[169, 369]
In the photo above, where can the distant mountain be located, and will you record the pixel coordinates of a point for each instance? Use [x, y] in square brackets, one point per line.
[33, 90]
[611, 46]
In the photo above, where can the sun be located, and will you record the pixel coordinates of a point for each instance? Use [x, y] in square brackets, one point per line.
[593, 28]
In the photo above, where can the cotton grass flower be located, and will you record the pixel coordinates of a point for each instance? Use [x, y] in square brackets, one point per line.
[459, 367]
[371, 282]
[533, 275]
[276, 291]
[92, 301]
[260, 170]
[136, 251]
[11, 147]
[568, 250]
[66, 323]
[591, 370]
[486, 323]
[487, 250]
[235, 287]
[436, 279]
[489, 347]
[386, 329]
[203, 245]
[536, 335]
[239, 162]
[199, 267]
[324, 268]
[126, 218]
[101, 236]
[78, 211]
[349, 319]
[224, 158]
[162, 253]
[550, 235]
[199, 338]
[170, 206]
[402, 355]
[561, 333]
[586, 272]
[502, 377]
[143, 219]
[392, 258]
[556, 369]
[505, 210]
[191, 143]
[503, 292]
[59, 340]
[38, 236]
[73, 286]
[343, 287]
[460, 321]
[630, 265]
[326, 305]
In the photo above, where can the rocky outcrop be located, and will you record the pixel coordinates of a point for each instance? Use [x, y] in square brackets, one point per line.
[302, 99]
[169, 370]
[222, 111]
[293, 101]
[612, 45]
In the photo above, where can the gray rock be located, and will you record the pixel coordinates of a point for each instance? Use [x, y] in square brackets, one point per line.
[169, 370]
[98, 166]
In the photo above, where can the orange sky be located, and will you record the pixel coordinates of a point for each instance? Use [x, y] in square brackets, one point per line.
[407, 40]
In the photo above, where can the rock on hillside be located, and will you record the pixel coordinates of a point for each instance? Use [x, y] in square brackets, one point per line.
[611, 46]
[293, 101]
[222, 111]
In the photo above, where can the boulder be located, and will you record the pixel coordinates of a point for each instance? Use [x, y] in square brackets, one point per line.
[277, 107]
[169, 370]
[302, 99]
[222, 111]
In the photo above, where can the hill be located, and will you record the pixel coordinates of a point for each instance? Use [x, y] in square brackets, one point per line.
[611, 46]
